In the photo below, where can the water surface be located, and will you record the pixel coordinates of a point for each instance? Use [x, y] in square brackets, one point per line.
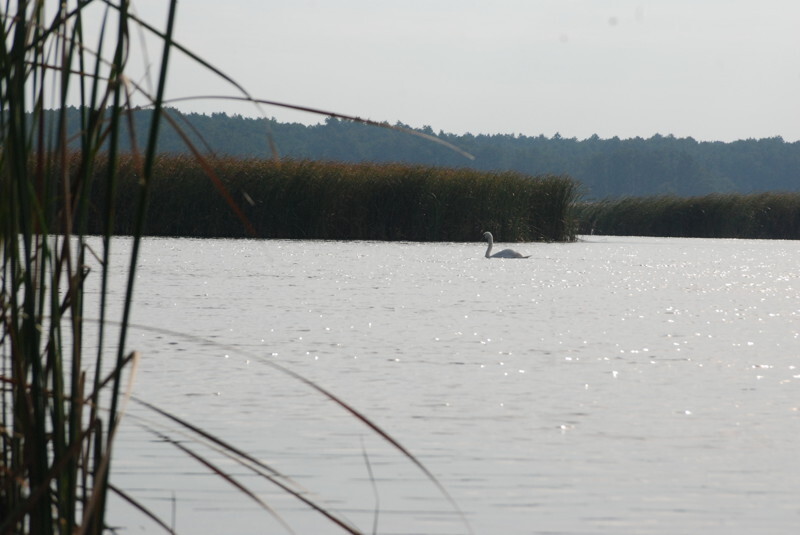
[615, 385]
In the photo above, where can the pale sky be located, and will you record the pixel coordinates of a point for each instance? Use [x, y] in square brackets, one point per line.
[710, 69]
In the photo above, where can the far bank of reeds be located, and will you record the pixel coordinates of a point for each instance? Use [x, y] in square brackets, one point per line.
[758, 216]
[293, 199]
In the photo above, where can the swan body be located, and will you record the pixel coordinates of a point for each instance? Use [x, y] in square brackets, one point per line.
[505, 253]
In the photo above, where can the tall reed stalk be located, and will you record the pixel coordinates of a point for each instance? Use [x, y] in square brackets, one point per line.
[60, 405]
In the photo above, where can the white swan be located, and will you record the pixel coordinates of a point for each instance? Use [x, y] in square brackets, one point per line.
[505, 253]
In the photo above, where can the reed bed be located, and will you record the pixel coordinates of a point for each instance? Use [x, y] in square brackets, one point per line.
[758, 216]
[337, 201]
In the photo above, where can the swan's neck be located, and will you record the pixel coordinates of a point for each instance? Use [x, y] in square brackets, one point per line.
[489, 248]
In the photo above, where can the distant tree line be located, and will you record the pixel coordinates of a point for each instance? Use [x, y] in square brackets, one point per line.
[606, 168]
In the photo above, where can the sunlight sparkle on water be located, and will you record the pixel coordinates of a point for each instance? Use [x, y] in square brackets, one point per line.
[521, 442]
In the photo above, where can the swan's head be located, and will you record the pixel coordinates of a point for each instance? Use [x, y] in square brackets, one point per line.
[487, 236]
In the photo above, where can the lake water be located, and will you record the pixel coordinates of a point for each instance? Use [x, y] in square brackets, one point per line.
[617, 385]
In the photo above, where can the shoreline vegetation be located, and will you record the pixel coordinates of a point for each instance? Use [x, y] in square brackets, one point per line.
[307, 199]
[303, 199]
[731, 215]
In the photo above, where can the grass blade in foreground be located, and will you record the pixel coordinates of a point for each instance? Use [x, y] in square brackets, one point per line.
[56, 444]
